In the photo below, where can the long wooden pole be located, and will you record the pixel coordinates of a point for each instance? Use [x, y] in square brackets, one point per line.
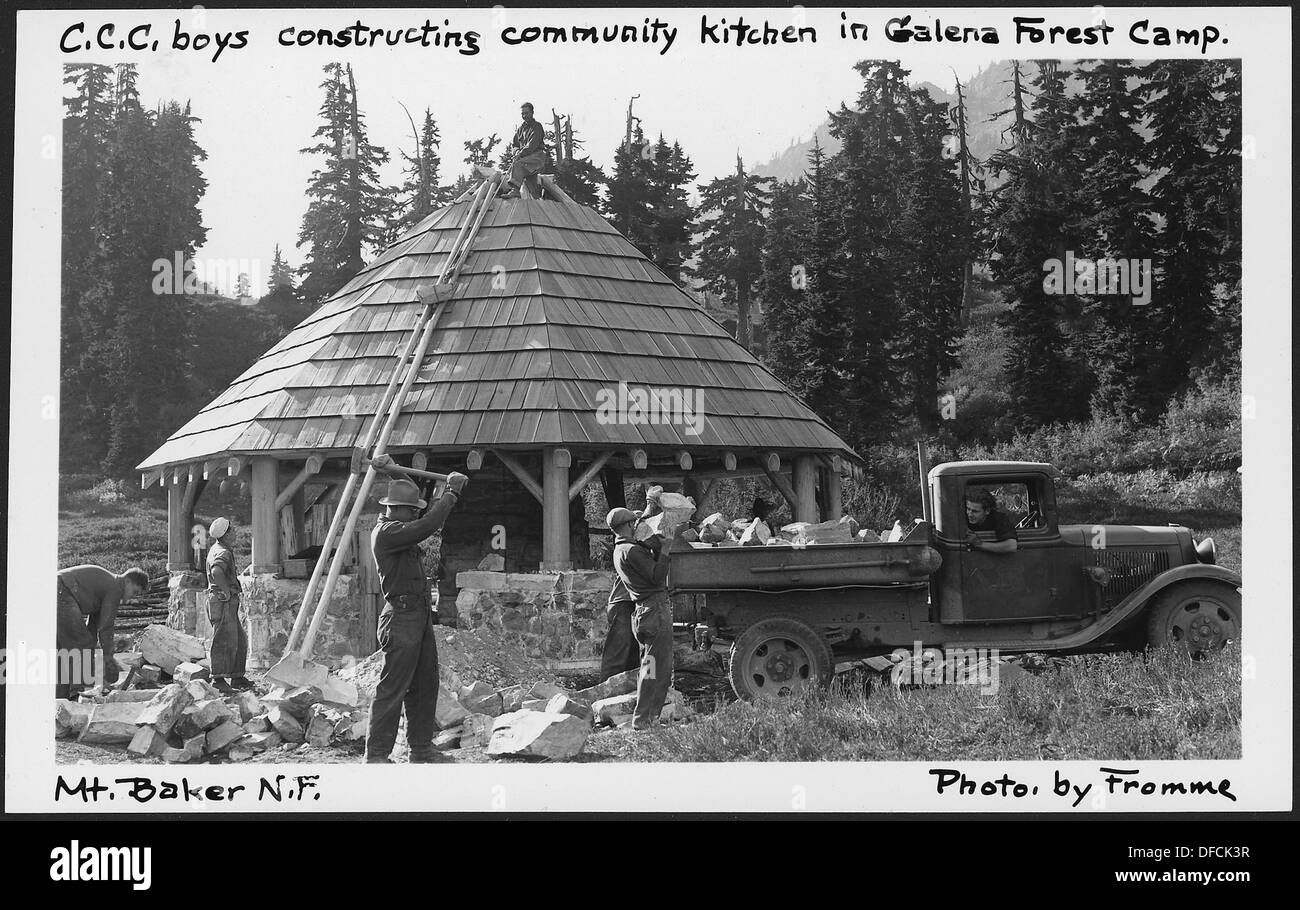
[349, 488]
[450, 270]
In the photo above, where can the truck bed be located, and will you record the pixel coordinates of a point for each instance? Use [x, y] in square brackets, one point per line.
[776, 568]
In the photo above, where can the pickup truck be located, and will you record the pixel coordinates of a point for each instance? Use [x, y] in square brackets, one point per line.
[791, 613]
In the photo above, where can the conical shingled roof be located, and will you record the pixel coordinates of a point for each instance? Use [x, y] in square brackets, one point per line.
[554, 305]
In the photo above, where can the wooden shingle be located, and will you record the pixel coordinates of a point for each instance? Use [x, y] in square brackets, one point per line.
[553, 309]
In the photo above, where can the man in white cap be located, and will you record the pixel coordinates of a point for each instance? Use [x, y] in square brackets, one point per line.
[228, 653]
[641, 578]
[409, 676]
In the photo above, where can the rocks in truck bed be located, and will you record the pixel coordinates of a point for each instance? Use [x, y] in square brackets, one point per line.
[804, 533]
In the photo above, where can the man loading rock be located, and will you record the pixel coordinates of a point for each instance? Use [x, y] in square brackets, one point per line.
[87, 602]
[409, 676]
[621, 652]
[643, 574]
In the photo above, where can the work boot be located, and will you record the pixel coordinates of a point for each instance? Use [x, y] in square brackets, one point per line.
[219, 683]
[424, 756]
[377, 760]
[510, 192]
[242, 683]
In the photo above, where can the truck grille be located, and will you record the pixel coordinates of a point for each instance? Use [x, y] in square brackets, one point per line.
[1129, 570]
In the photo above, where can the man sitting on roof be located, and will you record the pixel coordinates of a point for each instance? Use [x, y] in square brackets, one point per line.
[529, 147]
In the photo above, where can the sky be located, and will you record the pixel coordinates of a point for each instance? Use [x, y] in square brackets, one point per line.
[258, 105]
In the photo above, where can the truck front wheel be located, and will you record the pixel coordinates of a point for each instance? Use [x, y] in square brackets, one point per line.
[778, 657]
[1201, 616]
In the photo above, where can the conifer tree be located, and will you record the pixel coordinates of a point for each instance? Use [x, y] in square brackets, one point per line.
[782, 286]
[577, 176]
[1115, 224]
[348, 211]
[732, 211]
[933, 256]
[87, 127]
[420, 192]
[1030, 221]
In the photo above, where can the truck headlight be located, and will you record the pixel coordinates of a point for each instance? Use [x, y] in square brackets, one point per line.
[1206, 552]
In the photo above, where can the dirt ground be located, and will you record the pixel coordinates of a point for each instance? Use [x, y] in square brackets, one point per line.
[463, 656]
[604, 745]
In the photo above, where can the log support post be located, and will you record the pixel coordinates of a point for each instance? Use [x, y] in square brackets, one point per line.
[834, 495]
[555, 510]
[611, 479]
[178, 530]
[804, 481]
[266, 519]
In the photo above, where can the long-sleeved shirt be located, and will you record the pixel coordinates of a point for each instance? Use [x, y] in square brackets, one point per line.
[397, 551]
[222, 577]
[638, 575]
[98, 593]
[529, 138]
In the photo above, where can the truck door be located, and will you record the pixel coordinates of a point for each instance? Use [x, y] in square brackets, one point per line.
[1019, 586]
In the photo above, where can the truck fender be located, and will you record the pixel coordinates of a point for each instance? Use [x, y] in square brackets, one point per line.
[1126, 611]
[1137, 602]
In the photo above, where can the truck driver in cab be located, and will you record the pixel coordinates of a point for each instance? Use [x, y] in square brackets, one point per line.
[983, 514]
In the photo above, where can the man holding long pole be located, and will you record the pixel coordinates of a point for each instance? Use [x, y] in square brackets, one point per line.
[409, 676]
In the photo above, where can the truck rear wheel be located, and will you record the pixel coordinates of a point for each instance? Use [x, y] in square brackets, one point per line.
[1201, 616]
[778, 657]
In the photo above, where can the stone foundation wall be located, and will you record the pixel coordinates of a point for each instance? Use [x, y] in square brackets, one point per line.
[495, 508]
[553, 615]
[270, 605]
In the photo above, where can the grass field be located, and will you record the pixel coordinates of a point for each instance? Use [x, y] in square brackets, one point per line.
[1158, 705]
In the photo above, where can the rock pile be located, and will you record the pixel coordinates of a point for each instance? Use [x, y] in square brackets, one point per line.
[190, 721]
[718, 531]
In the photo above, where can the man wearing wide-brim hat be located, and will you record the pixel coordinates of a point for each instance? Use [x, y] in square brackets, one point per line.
[409, 677]
[640, 597]
[228, 653]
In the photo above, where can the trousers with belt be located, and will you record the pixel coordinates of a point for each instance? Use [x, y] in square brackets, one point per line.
[229, 650]
[409, 677]
[652, 624]
[622, 651]
[75, 643]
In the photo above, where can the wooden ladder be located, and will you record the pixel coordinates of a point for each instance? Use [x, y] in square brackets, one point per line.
[356, 490]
